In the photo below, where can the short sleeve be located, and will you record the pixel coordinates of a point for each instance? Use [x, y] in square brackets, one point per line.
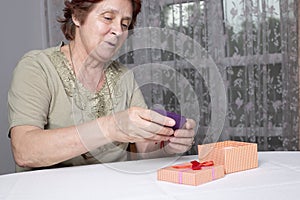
[28, 97]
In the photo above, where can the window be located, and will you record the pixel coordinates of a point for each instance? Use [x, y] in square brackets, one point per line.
[250, 43]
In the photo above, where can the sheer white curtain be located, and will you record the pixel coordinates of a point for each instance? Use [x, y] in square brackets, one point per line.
[254, 44]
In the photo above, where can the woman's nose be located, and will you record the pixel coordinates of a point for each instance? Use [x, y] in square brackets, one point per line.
[117, 29]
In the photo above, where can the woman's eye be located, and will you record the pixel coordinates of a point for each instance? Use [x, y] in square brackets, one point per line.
[108, 18]
[125, 26]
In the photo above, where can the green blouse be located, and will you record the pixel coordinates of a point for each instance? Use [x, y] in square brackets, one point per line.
[45, 93]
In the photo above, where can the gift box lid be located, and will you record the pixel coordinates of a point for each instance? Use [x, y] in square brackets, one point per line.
[234, 155]
[185, 174]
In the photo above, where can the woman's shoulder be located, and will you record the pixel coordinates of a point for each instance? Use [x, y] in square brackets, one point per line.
[117, 66]
[121, 74]
[120, 68]
[36, 60]
[38, 54]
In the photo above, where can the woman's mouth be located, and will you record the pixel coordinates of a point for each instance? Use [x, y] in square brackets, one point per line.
[111, 44]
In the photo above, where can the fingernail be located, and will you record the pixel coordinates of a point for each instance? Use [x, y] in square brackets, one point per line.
[171, 122]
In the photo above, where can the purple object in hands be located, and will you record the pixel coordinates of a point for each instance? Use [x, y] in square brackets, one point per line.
[180, 120]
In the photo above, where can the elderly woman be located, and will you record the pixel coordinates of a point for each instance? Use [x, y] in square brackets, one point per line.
[72, 105]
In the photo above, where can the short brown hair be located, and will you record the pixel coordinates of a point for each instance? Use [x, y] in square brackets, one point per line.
[81, 8]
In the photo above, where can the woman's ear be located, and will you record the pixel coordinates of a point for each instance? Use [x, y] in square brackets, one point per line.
[75, 21]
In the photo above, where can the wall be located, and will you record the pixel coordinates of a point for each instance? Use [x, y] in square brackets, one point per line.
[21, 30]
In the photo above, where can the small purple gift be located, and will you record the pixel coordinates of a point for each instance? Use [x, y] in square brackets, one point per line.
[180, 120]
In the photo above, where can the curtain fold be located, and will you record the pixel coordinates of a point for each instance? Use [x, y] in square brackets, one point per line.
[298, 70]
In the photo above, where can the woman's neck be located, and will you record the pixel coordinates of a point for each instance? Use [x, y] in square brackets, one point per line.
[90, 72]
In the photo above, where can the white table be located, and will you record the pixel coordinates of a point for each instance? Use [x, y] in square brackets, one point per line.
[277, 177]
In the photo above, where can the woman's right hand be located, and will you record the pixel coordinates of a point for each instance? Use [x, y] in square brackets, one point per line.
[136, 125]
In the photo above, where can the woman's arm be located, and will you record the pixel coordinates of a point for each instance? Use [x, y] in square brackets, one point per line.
[34, 147]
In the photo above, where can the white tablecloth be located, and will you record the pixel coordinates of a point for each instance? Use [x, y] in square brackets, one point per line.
[277, 177]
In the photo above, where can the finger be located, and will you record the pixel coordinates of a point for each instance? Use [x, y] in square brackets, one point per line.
[184, 133]
[157, 118]
[148, 136]
[152, 127]
[176, 148]
[141, 134]
[182, 141]
[158, 138]
[190, 124]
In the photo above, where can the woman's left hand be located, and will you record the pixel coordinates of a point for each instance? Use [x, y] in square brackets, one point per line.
[183, 139]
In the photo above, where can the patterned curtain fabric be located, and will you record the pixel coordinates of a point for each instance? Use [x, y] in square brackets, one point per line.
[252, 43]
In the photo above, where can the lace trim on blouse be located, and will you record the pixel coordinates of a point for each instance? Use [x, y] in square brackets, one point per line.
[95, 104]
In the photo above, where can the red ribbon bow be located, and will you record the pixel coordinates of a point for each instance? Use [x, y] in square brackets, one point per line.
[195, 165]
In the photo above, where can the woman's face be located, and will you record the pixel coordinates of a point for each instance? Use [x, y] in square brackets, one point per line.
[105, 29]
